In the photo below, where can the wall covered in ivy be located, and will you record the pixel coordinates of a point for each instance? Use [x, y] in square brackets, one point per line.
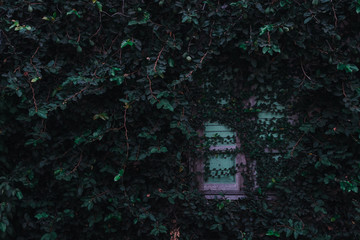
[102, 102]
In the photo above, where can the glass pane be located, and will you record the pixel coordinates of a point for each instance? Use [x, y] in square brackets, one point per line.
[221, 169]
[222, 134]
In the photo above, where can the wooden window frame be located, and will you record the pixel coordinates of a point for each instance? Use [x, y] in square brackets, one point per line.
[231, 191]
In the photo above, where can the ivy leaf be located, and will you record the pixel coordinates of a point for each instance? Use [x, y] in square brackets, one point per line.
[307, 20]
[41, 215]
[165, 104]
[171, 62]
[19, 195]
[347, 67]
[118, 79]
[2, 226]
[119, 175]
[158, 150]
[73, 11]
[42, 113]
[127, 42]
[49, 236]
[99, 5]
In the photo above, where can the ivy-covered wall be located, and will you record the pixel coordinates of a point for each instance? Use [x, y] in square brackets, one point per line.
[101, 102]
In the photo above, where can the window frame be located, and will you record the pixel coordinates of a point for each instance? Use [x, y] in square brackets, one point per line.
[231, 191]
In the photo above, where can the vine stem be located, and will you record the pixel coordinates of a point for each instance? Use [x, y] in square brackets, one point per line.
[151, 92]
[76, 166]
[126, 132]
[31, 61]
[297, 143]
[75, 94]
[33, 96]
[343, 89]
[158, 57]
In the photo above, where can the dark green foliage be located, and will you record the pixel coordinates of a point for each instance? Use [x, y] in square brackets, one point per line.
[101, 101]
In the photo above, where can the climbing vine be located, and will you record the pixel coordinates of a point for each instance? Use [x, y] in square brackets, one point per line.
[102, 103]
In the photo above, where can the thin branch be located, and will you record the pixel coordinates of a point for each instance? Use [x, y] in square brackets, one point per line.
[31, 61]
[97, 31]
[99, 195]
[210, 34]
[126, 132]
[202, 59]
[76, 166]
[303, 70]
[197, 65]
[33, 96]
[158, 57]
[82, 90]
[79, 36]
[297, 143]
[336, 19]
[151, 92]
[343, 89]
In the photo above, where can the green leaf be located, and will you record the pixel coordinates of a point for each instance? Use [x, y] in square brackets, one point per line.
[357, 9]
[118, 79]
[49, 236]
[99, 6]
[213, 227]
[19, 195]
[171, 200]
[347, 67]
[265, 49]
[308, 19]
[127, 42]
[165, 104]
[42, 113]
[171, 62]
[73, 11]
[2, 226]
[158, 150]
[119, 175]
[243, 46]
[41, 215]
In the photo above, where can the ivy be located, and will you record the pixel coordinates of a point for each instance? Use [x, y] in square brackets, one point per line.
[102, 103]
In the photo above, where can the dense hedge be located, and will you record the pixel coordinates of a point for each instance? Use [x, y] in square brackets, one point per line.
[101, 101]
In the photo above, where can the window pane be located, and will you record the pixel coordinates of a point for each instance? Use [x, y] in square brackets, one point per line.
[221, 134]
[222, 169]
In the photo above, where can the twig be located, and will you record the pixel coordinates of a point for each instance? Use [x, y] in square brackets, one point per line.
[99, 195]
[31, 61]
[79, 36]
[33, 95]
[75, 94]
[297, 143]
[210, 34]
[197, 65]
[343, 89]
[97, 31]
[158, 57]
[336, 19]
[151, 92]
[76, 166]
[126, 132]
[202, 59]
[302, 67]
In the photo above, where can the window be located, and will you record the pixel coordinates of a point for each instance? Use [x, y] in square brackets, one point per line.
[223, 161]
[220, 171]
